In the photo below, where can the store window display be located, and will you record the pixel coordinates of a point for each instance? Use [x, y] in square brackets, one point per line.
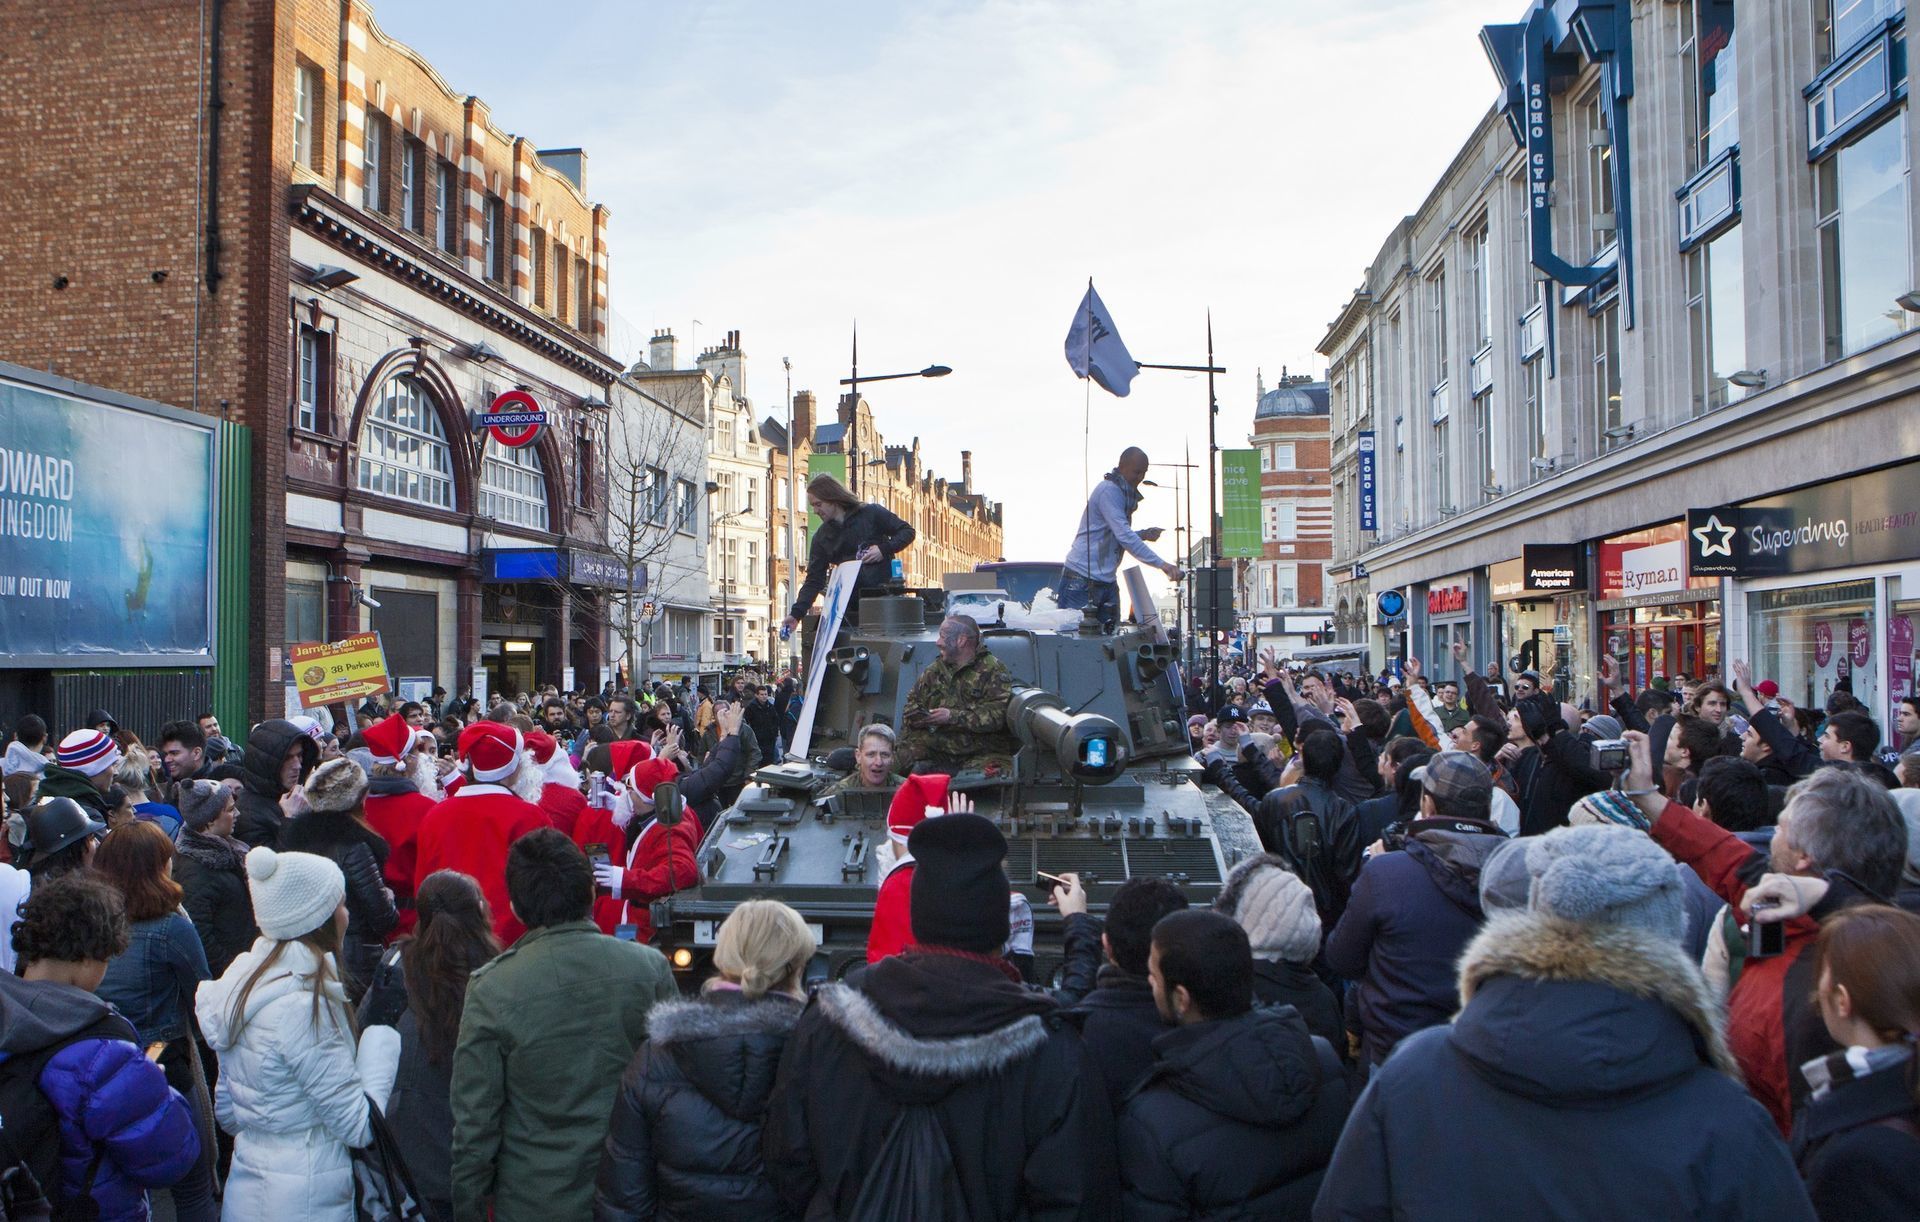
[1817, 640]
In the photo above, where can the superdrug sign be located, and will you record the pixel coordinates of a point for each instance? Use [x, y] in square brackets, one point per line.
[1866, 519]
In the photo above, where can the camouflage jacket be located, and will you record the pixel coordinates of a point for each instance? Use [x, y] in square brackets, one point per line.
[852, 781]
[977, 695]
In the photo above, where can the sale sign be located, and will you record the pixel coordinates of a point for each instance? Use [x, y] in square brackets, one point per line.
[352, 669]
[1822, 643]
[1859, 642]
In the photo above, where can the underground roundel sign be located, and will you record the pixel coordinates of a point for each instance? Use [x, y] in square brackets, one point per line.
[515, 418]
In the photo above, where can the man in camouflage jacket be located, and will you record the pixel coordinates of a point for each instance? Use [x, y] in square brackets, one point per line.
[956, 714]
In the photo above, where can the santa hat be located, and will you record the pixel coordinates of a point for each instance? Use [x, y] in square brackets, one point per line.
[624, 754]
[649, 775]
[389, 739]
[491, 750]
[921, 796]
[424, 735]
[541, 746]
[89, 752]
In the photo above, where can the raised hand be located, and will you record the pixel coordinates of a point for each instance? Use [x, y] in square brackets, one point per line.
[1412, 668]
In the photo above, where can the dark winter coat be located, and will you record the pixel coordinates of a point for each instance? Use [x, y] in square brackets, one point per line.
[111, 1103]
[1550, 778]
[1411, 913]
[839, 541]
[362, 856]
[1586, 1077]
[1082, 956]
[58, 782]
[763, 720]
[1857, 1167]
[259, 820]
[1331, 872]
[1237, 1120]
[1276, 983]
[685, 1137]
[1119, 1022]
[1007, 1079]
[212, 871]
[420, 1106]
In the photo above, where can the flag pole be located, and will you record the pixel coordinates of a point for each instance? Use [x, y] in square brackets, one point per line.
[1213, 531]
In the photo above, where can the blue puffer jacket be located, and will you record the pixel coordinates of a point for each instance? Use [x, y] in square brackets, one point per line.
[110, 1100]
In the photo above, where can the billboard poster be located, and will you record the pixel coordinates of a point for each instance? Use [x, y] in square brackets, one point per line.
[95, 567]
[1240, 503]
[350, 669]
[820, 464]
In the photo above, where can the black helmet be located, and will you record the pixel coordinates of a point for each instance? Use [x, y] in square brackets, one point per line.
[56, 823]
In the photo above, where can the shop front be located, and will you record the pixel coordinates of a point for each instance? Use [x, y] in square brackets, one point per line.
[1447, 606]
[1826, 589]
[544, 617]
[1658, 619]
[1541, 615]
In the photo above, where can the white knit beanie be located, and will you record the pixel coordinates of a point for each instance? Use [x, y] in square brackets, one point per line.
[293, 893]
[1275, 908]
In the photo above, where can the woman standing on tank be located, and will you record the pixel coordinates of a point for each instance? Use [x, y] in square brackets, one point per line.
[849, 530]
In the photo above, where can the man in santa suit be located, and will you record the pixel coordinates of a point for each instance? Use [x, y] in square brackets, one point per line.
[560, 797]
[660, 860]
[919, 797]
[597, 831]
[471, 831]
[401, 790]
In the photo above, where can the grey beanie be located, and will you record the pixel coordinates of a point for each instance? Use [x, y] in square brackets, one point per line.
[1603, 726]
[1505, 882]
[1275, 908]
[201, 803]
[1606, 874]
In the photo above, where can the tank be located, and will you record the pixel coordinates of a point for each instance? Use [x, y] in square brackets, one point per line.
[1102, 784]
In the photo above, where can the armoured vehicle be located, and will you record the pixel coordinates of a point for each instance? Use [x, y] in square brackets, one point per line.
[1102, 784]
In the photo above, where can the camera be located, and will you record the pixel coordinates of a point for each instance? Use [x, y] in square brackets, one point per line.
[1608, 755]
[1765, 939]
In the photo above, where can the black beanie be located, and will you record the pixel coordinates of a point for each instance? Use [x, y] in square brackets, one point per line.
[1533, 715]
[960, 895]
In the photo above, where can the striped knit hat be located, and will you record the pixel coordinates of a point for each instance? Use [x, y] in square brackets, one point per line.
[89, 752]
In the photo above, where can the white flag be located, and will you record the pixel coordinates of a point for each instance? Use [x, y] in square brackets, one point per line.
[1095, 350]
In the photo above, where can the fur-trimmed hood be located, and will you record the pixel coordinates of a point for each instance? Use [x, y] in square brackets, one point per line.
[1555, 1009]
[728, 1047]
[922, 1069]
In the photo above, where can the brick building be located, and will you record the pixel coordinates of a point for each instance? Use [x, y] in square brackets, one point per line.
[1285, 589]
[330, 248]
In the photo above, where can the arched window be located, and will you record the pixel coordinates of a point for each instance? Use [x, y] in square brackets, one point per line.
[403, 448]
[513, 485]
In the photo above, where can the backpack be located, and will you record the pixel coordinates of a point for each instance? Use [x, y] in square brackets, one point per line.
[30, 1132]
[912, 1177]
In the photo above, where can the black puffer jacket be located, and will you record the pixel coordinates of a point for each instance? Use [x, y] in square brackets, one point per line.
[1238, 1119]
[361, 855]
[212, 872]
[1119, 1022]
[685, 1137]
[259, 820]
[1279, 983]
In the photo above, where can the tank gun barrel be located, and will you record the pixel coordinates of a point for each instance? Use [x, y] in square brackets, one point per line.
[1088, 746]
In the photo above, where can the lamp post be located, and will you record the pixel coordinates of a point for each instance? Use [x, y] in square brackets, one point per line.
[793, 446]
[714, 523]
[853, 390]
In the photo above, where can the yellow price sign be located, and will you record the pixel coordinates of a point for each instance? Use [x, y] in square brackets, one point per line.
[352, 669]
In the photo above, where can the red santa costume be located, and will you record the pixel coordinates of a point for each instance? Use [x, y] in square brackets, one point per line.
[660, 859]
[597, 831]
[396, 803]
[921, 797]
[471, 831]
[560, 798]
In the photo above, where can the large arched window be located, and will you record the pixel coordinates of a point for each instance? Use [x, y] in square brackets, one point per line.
[403, 448]
[513, 485]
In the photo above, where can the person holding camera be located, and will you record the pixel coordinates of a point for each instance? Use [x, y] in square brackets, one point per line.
[1555, 768]
[1839, 827]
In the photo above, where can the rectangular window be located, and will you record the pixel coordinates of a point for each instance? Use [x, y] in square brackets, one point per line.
[582, 294]
[1287, 584]
[583, 469]
[1861, 202]
[1606, 377]
[659, 496]
[753, 495]
[1478, 248]
[446, 207]
[306, 612]
[1599, 166]
[1437, 320]
[687, 515]
[1282, 522]
[373, 164]
[1483, 447]
[308, 379]
[1266, 458]
[1283, 456]
[537, 246]
[413, 186]
[1717, 331]
[1442, 495]
[306, 102]
[753, 575]
[560, 281]
[1536, 412]
[493, 240]
[1845, 22]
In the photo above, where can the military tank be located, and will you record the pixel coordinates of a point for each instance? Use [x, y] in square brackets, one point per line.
[1102, 785]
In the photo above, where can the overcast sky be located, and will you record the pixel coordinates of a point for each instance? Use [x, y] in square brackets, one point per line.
[950, 174]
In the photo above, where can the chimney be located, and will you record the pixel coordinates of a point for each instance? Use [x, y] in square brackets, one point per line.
[803, 408]
[966, 470]
[660, 353]
[572, 164]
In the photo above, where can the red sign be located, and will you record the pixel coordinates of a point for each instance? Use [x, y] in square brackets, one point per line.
[1447, 600]
[1859, 642]
[524, 412]
[1822, 643]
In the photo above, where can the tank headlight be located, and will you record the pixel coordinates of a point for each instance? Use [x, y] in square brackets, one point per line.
[683, 958]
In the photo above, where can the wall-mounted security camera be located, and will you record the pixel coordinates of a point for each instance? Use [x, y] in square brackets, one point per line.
[366, 600]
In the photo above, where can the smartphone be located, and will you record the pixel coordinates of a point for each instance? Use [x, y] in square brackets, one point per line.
[1055, 879]
[155, 1050]
[598, 855]
[1765, 939]
[627, 933]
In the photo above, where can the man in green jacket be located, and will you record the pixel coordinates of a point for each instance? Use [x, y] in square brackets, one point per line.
[548, 1029]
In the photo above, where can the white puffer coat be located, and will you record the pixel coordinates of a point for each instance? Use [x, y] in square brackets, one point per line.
[295, 1098]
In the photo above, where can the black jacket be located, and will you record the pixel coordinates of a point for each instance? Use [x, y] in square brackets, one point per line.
[1119, 1022]
[1794, 756]
[1013, 1089]
[362, 856]
[685, 1136]
[1551, 777]
[259, 820]
[1585, 1077]
[764, 721]
[212, 873]
[1857, 1167]
[1276, 983]
[1237, 1120]
[839, 541]
[1331, 869]
[420, 1107]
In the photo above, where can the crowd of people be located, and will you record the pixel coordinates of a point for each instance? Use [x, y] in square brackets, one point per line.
[1499, 955]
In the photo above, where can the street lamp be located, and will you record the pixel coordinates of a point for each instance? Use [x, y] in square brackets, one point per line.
[853, 390]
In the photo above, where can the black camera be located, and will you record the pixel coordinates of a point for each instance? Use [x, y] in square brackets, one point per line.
[1765, 939]
[1608, 755]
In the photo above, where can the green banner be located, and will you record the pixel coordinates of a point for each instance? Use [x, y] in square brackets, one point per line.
[821, 464]
[1240, 499]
